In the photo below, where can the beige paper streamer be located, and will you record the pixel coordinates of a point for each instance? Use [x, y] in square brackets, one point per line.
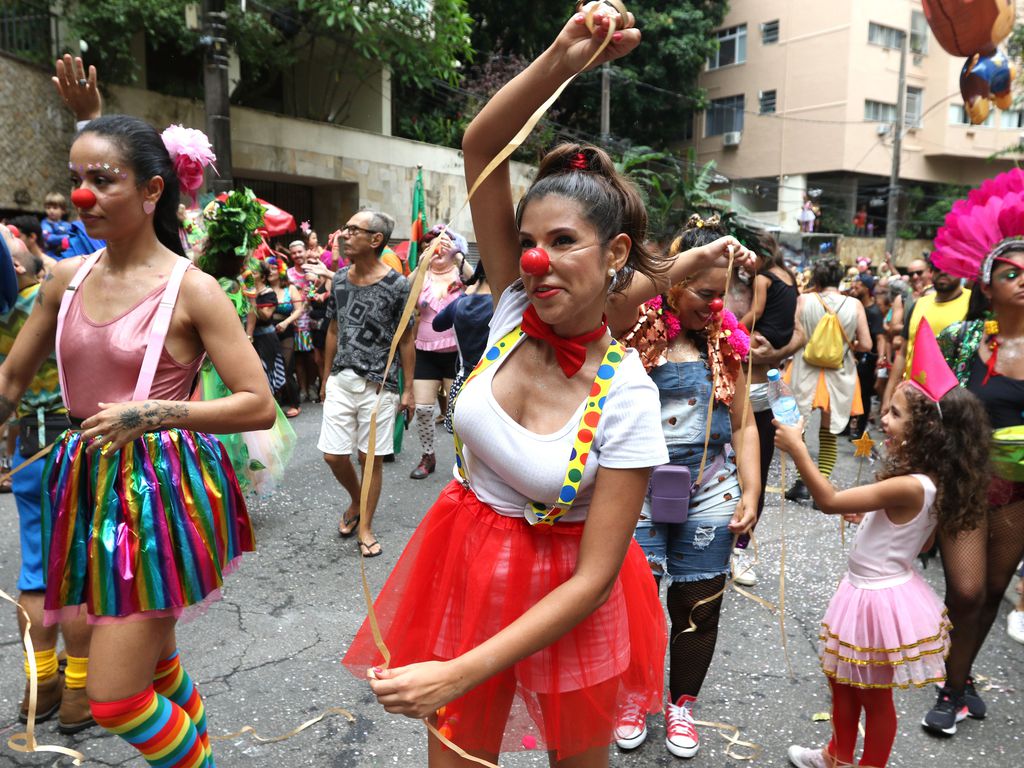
[414, 291]
[25, 742]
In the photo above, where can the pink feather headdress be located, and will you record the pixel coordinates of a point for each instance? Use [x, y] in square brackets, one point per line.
[190, 152]
[980, 227]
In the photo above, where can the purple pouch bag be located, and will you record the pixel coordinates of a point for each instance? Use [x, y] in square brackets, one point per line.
[670, 493]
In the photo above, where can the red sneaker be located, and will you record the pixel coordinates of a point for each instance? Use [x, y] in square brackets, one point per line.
[631, 730]
[681, 736]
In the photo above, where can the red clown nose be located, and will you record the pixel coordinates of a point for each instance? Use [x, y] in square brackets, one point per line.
[535, 261]
[716, 305]
[83, 198]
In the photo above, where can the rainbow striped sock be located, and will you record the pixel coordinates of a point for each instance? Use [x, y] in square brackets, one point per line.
[154, 725]
[171, 680]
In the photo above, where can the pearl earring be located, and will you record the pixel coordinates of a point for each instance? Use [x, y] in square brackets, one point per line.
[148, 207]
[611, 272]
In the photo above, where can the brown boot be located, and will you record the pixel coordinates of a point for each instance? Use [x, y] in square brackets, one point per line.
[74, 713]
[48, 694]
[426, 467]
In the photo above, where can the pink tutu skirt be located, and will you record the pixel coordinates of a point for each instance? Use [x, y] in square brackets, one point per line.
[467, 573]
[895, 637]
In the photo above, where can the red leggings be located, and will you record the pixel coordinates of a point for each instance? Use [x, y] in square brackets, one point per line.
[879, 724]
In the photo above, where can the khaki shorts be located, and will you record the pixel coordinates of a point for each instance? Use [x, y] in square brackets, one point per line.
[346, 416]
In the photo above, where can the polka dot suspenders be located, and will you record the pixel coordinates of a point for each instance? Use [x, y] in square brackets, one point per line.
[536, 512]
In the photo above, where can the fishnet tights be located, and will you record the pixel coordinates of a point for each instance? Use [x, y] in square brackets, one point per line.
[690, 653]
[979, 565]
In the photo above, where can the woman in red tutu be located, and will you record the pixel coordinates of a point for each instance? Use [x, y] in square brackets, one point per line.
[522, 614]
[885, 627]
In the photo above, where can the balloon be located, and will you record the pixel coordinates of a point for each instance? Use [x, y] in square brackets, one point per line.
[984, 79]
[967, 27]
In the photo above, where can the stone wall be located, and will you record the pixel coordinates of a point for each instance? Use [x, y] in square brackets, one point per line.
[35, 129]
[347, 168]
[852, 248]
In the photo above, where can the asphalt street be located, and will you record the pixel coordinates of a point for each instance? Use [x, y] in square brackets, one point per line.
[267, 655]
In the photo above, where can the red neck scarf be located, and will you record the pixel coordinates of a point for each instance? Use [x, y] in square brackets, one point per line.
[570, 352]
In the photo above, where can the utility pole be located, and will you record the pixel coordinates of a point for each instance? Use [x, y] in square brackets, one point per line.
[606, 103]
[893, 212]
[215, 82]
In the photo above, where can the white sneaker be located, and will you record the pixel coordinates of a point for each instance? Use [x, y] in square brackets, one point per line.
[681, 736]
[743, 568]
[1015, 625]
[804, 757]
[631, 730]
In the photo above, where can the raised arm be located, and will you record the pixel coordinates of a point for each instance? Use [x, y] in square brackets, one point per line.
[622, 305]
[502, 117]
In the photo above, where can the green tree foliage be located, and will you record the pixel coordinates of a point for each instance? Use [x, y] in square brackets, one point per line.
[924, 208]
[654, 89]
[420, 42]
[673, 187]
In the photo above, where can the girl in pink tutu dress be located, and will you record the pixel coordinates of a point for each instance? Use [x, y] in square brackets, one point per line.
[885, 628]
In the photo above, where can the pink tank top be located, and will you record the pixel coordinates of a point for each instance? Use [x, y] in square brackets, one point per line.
[124, 359]
[883, 552]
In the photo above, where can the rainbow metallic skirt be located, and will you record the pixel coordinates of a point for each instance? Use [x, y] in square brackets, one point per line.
[151, 527]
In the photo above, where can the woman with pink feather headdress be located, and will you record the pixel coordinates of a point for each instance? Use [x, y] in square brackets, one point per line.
[983, 240]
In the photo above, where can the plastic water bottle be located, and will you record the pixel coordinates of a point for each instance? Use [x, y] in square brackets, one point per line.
[781, 399]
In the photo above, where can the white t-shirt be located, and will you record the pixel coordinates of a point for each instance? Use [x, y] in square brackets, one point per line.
[509, 466]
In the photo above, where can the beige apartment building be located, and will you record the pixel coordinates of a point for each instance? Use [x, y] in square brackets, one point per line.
[803, 99]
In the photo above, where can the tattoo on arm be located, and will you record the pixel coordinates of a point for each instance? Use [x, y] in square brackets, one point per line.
[40, 296]
[151, 416]
[6, 408]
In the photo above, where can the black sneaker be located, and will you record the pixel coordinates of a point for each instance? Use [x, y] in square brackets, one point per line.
[947, 712]
[975, 706]
[798, 492]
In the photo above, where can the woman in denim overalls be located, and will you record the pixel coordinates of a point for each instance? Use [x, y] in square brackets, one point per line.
[693, 557]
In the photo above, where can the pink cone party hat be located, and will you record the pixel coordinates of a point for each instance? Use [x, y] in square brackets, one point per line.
[928, 371]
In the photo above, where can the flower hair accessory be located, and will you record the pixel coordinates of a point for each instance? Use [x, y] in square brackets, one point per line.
[190, 153]
[982, 227]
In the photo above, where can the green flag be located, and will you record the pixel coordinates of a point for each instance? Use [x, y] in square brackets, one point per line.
[419, 219]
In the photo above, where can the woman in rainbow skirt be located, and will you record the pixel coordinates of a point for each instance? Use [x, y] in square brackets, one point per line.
[142, 512]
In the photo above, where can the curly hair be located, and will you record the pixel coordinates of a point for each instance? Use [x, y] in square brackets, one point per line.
[827, 273]
[951, 448]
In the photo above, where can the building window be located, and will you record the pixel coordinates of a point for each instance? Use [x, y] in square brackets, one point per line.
[770, 32]
[887, 37]
[767, 102]
[732, 47]
[918, 33]
[1011, 118]
[879, 112]
[724, 115]
[915, 107]
[958, 116]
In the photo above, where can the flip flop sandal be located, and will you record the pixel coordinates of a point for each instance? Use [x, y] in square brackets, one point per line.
[367, 549]
[351, 524]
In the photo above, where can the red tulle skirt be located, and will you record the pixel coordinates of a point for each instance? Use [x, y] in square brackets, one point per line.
[467, 573]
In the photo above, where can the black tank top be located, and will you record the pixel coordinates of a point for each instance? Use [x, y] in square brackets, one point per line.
[1002, 397]
[776, 322]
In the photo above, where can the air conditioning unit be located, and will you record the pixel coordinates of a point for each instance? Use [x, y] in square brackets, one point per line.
[731, 138]
[882, 129]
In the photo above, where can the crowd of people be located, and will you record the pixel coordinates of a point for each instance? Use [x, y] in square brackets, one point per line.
[608, 440]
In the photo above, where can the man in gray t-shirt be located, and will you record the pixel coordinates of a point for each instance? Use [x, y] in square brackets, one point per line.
[363, 313]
